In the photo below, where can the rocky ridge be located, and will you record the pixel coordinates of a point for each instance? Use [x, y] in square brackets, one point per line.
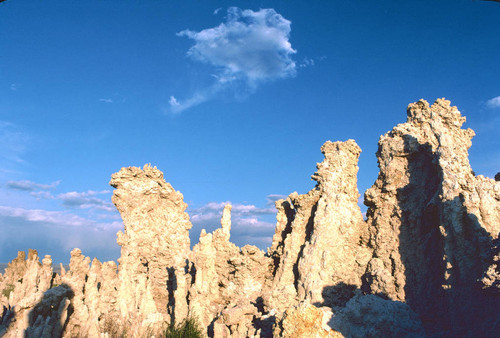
[424, 262]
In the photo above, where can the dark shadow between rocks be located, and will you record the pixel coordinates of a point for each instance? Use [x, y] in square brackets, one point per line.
[309, 230]
[360, 315]
[171, 287]
[7, 317]
[50, 316]
[443, 249]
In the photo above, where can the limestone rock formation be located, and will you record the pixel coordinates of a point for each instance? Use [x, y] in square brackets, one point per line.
[431, 220]
[335, 257]
[320, 243]
[372, 316]
[425, 262]
[303, 321]
[228, 281]
[155, 247]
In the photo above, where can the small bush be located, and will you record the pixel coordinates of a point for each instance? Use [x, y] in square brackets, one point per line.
[114, 329]
[189, 328]
[8, 289]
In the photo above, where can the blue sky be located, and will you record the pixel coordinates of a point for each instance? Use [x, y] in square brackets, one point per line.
[230, 99]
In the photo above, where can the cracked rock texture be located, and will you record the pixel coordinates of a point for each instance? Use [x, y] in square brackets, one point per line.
[425, 261]
[432, 221]
[152, 277]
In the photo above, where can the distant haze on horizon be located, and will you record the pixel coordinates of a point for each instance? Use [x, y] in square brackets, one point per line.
[232, 100]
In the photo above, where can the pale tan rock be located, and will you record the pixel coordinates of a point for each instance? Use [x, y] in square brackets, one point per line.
[304, 321]
[27, 281]
[155, 246]
[227, 280]
[320, 242]
[294, 223]
[334, 258]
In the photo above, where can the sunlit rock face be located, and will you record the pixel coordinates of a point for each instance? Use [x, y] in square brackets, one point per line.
[320, 243]
[425, 262]
[152, 273]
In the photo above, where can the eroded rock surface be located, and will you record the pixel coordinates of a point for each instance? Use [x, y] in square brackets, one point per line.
[153, 279]
[432, 222]
[425, 262]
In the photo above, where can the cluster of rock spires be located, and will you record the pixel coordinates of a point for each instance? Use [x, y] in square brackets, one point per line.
[424, 262]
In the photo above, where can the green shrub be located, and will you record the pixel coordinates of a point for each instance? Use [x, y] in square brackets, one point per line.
[8, 289]
[189, 328]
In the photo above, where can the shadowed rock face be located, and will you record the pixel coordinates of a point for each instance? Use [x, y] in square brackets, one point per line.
[426, 260]
[431, 220]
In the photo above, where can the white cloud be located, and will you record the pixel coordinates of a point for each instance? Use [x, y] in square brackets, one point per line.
[306, 63]
[13, 87]
[42, 195]
[250, 47]
[72, 199]
[44, 216]
[86, 200]
[106, 100]
[250, 44]
[173, 101]
[494, 102]
[26, 185]
[217, 10]
[272, 198]
[56, 233]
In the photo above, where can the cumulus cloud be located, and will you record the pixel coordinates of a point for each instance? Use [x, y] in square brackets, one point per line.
[26, 185]
[494, 102]
[251, 47]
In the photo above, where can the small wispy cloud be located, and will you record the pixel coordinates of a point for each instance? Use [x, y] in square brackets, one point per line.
[173, 102]
[494, 102]
[52, 217]
[106, 100]
[250, 48]
[86, 200]
[73, 199]
[273, 198]
[13, 87]
[26, 185]
[14, 143]
[307, 63]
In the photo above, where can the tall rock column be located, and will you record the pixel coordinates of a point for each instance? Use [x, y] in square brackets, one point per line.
[334, 259]
[432, 221]
[155, 246]
[319, 248]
